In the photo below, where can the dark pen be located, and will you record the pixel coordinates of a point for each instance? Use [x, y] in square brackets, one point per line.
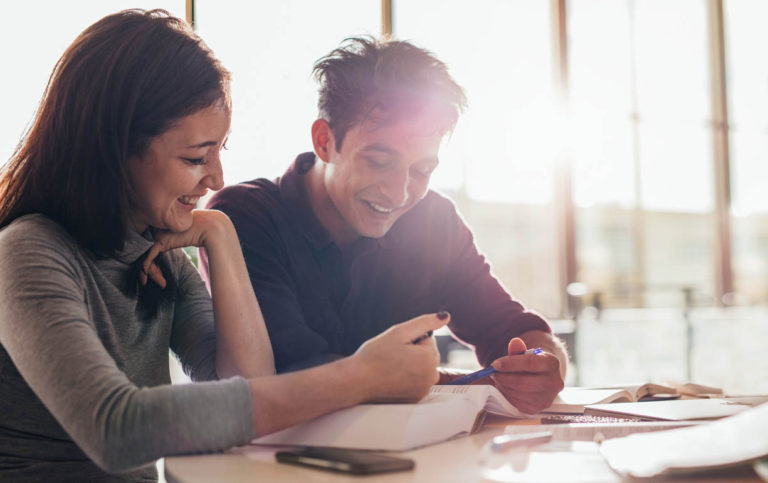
[442, 315]
[422, 337]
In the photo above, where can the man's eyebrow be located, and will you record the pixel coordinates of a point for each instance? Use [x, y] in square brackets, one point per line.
[383, 148]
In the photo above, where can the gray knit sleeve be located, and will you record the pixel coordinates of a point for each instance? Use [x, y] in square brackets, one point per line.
[193, 338]
[46, 329]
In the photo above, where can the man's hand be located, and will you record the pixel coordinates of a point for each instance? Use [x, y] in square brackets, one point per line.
[530, 382]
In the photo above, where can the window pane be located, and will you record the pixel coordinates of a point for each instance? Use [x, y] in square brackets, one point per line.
[46, 29]
[605, 249]
[504, 144]
[674, 105]
[748, 118]
[676, 168]
[600, 75]
[678, 256]
[641, 149]
[498, 164]
[675, 151]
[746, 37]
[270, 48]
[672, 66]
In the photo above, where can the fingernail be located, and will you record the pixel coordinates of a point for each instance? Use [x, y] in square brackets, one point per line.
[442, 315]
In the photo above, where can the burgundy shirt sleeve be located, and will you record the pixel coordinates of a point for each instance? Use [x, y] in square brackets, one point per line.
[483, 313]
[253, 213]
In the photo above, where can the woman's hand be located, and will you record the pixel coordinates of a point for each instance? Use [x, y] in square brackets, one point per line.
[389, 367]
[399, 369]
[207, 226]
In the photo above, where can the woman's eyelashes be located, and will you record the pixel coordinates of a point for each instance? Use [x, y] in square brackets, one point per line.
[201, 160]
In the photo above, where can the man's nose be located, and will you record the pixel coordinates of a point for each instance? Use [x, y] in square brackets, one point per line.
[396, 187]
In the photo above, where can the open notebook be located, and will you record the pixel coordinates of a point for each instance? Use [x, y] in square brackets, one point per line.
[572, 400]
[447, 412]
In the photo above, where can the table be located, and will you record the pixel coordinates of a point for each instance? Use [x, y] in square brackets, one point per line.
[460, 460]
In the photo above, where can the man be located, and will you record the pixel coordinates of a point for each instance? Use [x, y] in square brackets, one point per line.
[350, 240]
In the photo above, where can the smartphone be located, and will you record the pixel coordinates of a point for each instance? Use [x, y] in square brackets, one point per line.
[344, 460]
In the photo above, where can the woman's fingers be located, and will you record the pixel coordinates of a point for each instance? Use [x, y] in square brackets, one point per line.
[152, 272]
[156, 275]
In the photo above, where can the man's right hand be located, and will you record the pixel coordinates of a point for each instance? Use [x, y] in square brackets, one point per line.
[399, 369]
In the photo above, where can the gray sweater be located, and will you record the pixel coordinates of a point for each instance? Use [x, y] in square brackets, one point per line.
[84, 375]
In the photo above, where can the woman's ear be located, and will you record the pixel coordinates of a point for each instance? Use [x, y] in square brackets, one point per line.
[322, 139]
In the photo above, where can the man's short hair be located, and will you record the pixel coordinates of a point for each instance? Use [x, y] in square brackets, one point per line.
[384, 81]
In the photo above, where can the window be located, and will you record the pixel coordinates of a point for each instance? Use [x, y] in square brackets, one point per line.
[499, 163]
[270, 48]
[45, 30]
[748, 119]
[641, 145]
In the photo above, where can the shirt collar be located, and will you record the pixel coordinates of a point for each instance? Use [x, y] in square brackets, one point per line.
[294, 193]
[136, 245]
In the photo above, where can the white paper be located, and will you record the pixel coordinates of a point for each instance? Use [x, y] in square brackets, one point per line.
[595, 431]
[732, 440]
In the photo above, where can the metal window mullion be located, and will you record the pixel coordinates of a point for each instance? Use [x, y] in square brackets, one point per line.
[386, 18]
[190, 12]
[638, 286]
[563, 194]
[721, 157]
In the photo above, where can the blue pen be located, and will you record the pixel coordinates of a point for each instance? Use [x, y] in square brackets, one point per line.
[469, 378]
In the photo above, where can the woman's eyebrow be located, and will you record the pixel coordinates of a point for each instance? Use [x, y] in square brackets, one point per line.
[203, 145]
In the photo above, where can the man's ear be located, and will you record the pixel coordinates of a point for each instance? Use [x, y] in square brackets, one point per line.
[322, 139]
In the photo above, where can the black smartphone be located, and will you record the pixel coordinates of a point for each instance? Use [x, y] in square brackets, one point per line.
[344, 460]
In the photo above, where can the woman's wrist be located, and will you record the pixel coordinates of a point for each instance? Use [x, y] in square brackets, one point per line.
[358, 377]
[217, 229]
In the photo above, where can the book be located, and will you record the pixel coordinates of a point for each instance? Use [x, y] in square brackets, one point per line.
[725, 443]
[573, 400]
[652, 391]
[682, 410]
[445, 413]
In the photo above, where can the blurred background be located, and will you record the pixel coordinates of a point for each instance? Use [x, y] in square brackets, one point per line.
[612, 161]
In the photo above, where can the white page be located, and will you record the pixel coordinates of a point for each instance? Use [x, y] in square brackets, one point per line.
[484, 396]
[391, 427]
[589, 431]
[739, 438]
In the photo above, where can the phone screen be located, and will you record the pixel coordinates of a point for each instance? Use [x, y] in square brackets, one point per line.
[344, 460]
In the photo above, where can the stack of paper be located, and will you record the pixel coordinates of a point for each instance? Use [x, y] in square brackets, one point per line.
[734, 440]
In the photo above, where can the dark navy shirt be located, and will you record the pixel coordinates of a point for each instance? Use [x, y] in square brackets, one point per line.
[319, 304]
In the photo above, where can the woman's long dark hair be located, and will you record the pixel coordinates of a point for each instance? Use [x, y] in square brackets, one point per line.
[123, 81]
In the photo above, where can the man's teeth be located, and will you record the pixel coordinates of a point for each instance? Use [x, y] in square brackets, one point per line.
[379, 208]
[189, 200]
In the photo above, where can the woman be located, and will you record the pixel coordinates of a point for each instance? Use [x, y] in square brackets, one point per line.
[94, 205]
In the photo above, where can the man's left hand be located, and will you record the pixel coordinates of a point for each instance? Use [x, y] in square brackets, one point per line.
[529, 381]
